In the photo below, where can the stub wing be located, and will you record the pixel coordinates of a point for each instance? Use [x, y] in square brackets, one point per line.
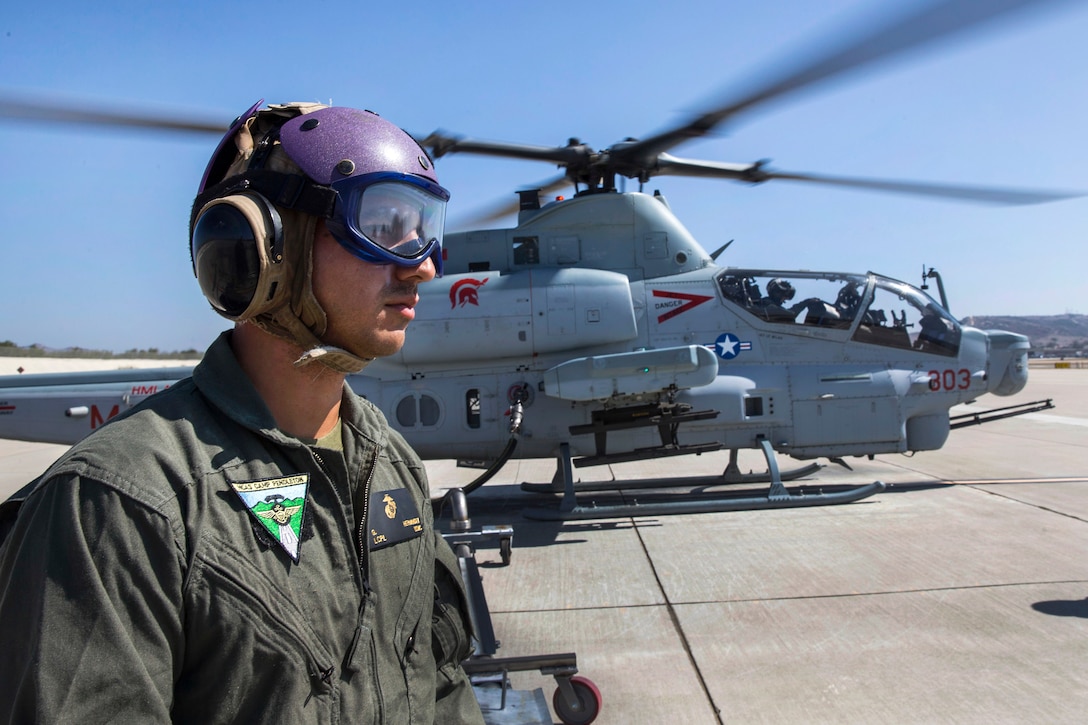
[631, 373]
[65, 407]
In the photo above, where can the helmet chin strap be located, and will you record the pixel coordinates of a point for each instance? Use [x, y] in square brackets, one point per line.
[334, 358]
[300, 319]
[290, 328]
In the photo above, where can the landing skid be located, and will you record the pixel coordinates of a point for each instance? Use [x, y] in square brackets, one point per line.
[776, 497]
[732, 472]
[730, 476]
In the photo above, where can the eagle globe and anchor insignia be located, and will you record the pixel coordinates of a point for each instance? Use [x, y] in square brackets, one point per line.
[394, 518]
[278, 504]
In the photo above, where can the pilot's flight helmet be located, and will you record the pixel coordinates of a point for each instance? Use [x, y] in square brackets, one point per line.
[276, 172]
[780, 290]
[849, 296]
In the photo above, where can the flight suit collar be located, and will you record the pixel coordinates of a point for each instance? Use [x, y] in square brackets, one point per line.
[222, 380]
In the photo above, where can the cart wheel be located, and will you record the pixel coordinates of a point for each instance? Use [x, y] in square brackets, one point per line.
[505, 545]
[589, 702]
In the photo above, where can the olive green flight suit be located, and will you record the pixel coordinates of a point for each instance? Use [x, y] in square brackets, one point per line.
[139, 584]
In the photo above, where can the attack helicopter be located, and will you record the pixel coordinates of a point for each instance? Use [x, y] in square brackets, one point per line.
[598, 330]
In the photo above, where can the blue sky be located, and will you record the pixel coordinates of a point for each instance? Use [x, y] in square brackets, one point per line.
[94, 252]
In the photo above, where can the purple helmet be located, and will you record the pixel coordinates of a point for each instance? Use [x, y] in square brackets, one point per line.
[332, 144]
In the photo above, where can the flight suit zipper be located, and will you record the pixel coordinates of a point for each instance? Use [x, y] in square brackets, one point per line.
[361, 531]
[364, 549]
[364, 568]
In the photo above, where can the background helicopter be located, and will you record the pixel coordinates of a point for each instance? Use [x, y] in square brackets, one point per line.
[521, 315]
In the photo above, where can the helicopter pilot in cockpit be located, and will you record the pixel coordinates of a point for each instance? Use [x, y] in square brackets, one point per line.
[773, 306]
[742, 290]
[848, 301]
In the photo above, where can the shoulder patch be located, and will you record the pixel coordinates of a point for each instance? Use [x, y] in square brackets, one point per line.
[278, 504]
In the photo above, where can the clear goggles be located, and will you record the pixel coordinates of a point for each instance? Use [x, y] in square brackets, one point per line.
[390, 218]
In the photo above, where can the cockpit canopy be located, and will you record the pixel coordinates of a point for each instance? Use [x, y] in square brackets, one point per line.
[878, 310]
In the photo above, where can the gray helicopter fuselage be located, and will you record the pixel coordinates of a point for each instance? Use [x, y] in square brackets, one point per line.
[582, 319]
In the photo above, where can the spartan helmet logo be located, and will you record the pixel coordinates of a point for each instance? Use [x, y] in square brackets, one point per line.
[466, 292]
[390, 506]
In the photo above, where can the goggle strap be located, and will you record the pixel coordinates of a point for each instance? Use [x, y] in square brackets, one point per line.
[287, 191]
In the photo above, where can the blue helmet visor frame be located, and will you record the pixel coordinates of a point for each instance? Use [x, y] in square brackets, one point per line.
[389, 217]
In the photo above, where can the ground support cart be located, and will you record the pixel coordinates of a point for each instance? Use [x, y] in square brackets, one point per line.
[576, 700]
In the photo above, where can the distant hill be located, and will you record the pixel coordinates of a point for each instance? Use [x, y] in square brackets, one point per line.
[11, 349]
[1057, 334]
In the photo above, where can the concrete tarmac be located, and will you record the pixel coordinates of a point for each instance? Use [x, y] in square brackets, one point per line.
[958, 595]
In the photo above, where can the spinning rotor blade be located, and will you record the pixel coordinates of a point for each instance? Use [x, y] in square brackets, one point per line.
[498, 211]
[591, 170]
[643, 159]
[441, 144]
[756, 173]
[928, 24]
[982, 194]
[39, 111]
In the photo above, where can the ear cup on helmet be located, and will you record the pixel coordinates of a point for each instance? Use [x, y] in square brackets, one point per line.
[237, 253]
